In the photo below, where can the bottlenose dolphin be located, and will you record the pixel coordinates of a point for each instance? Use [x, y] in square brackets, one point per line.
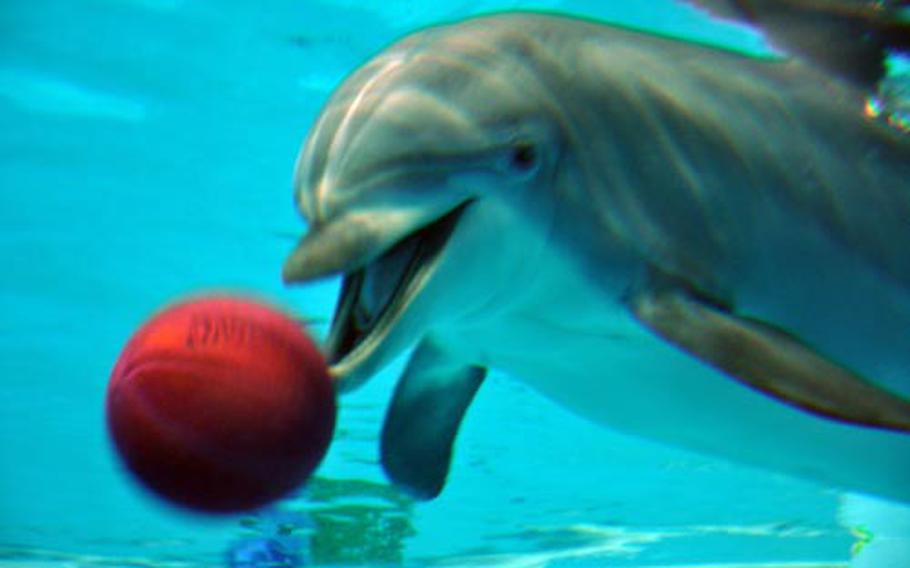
[683, 243]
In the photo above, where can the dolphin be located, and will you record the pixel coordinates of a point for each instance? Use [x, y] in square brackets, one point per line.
[679, 242]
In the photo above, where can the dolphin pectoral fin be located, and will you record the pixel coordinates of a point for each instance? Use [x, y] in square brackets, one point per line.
[421, 424]
[769, 360]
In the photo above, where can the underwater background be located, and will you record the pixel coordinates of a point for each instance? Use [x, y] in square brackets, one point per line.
[146, 154]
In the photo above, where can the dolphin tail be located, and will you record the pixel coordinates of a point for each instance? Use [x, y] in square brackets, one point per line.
[849, 38]
[423, 419]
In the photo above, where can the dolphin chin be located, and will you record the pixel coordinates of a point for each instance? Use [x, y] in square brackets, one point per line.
[375, 296]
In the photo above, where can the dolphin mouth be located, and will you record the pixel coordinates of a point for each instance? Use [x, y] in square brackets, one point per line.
[374, 296]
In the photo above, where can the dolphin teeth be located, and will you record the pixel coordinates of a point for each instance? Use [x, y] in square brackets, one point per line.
[368, 293]
[343, 336]
[381, 279]
[373, 296]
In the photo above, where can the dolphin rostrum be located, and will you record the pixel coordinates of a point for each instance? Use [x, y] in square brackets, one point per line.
[683, 243]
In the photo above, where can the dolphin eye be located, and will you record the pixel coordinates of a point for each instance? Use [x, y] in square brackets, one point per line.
[524, 157]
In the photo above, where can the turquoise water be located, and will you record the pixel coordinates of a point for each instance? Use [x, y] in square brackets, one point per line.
[146, 155]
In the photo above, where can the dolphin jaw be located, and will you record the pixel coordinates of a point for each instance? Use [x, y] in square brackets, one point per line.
[375, 296]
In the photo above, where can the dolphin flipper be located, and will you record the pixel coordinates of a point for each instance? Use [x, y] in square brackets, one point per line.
[768, 359]
[423, 419]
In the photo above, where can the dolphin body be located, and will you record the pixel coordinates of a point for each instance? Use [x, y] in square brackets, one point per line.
[679, 242]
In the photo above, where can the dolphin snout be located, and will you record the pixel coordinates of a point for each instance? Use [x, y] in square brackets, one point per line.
[347, 243]
[328, 250]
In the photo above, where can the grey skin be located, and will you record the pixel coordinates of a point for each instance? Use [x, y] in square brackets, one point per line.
[675, 241]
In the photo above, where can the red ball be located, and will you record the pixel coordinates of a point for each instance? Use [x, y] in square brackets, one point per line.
[221, 405]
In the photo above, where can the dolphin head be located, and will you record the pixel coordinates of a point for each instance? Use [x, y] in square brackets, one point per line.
[410, 177]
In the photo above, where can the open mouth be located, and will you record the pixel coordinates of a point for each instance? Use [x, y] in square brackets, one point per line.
[373, 297]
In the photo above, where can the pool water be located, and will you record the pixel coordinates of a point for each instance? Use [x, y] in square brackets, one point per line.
[146, 155]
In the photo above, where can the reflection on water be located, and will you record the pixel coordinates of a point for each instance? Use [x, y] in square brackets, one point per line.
[354, 520]
[335, 522]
